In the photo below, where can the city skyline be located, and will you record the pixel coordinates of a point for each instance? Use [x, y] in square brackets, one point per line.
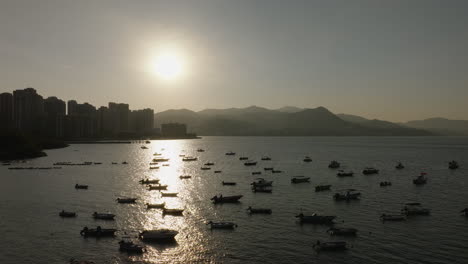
[354, 57]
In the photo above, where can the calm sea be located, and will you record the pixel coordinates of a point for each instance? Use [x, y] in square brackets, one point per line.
[30, 200]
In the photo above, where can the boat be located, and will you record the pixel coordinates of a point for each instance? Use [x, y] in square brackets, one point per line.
[154, 168]
[149, 181]
[330, 246]
[144, 147]
[81, 186]
[256, 173]
[126, 200]
[268, 169]
[200, 150]
[166, 165]
[347, 195]
[393, 217]
[226, 199]
[264, 189]
[209, 164]
[153, 163]
[130, 247]
[189, 158]
[260, 182]
[217, 171]
[316, 219]
[334, 164]
[181, 155]
[176, 212]
[399, 166]
[320, 188]
[103, 216]
[64, 213]
[307, 159]
[158, 235]
[421, 179]
[453, 165]
[185, 176]
[258, 210]
[370, 170]
[464, 211]
[276, 171]
[228, 183]
[243, 158]
[415, 209]
[221, 225]
[205, 168]
[98, 232]
[114, 163]
[147, 142]
[155, 206]
[97, 163]
[166, 194]
[341, 231]
[266, 158]
[342, 173]
[157, 154]
[385, 184]
[230, 153]
[160, 160]
[250, 163]
[124, 162]
[300, 179]
[157, 187]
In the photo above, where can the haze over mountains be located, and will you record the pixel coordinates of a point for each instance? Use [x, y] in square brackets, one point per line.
[294, 121]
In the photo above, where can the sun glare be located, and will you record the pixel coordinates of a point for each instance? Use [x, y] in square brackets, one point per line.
[168, 65]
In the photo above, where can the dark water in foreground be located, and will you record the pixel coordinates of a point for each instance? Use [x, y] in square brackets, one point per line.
[30, 201]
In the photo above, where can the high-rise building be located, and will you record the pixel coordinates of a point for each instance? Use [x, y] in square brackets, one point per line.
[6, 112]
[28, 111]
[119, 114]
[142, 121]
[81, 121]
[55, 111]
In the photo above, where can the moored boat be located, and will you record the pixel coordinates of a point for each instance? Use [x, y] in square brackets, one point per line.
[342, 231]
[393, 217]
[334, 164]
[266, 158]
[126, 200]
[166, 194]
[347, 195]
[230, 153]
[209, 164]
[149, 181]
[261, 182]
[256, 172]
[342, 173]
[259, 210]
[307, 159]
[64, 213]
[453, 165]
[385, 184]
[226, 199]
[268, 169]
[130, 247]
[330, 246]
[185, 176]
[155, 206]
[157, 187]
[189, 158]
[250, 163]
[399, 166]
[320, 188]
[243, 158]
[103, 216]
[228, 183]
[415, 209]
[370, 170]
[205, 168]
[316, 219]
[217, 171]
[221, 225]
[81, 186]
[421, 179]
[160, 160]
[300, 179]
[464, 211]
[158, 235]
[98, 232]
[176, 212]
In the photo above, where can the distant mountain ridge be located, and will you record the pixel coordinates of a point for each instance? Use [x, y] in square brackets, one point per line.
[442, 126]
[286, 121]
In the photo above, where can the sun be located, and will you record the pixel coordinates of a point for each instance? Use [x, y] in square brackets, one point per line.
[168, 65]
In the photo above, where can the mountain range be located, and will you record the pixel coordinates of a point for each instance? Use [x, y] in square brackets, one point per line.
[285, 121]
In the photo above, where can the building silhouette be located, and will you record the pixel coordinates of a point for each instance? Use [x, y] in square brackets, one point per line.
[6, 112]
[28, 111]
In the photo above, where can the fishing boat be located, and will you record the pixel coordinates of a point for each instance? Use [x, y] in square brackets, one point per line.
[200, 150]
[103, 216]
[166, 165]
[64, 213]
[185, 176]
[256, 172]
[268, 169]
[370, 170]
[415, 209]
[125, 163]
[263, 189]
[334, 164]
[258, 210]
[144, 147]
[260, 182]
[209, 164]
[316, 219]
[157, 187]
[217, 171]
[98, 232]
[266, 158]
[221, 225]
[307, 159]
[276, 171]
[130, 247]
[205, 168]
[421, 179]
[160, 160]
[399, 166]
[393, 217]
[230, 153]
[228, 183]
[154, 168]
[250, 163]
[347, 195]
[155, 206]
[342, 173]
[147, 142]
[158, 235]
[81, 186]
[330, 246]
[300, 179]
[157, 154]
[243, 158]
[385, 184]
[149, 181]
[126, 200]
[320, 188]
[341, 231]
[189, 158]
[166, 194]
[175, 212]
[226, 199]
[453, 165]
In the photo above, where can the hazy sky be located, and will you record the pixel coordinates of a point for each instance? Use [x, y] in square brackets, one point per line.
[394, 60]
